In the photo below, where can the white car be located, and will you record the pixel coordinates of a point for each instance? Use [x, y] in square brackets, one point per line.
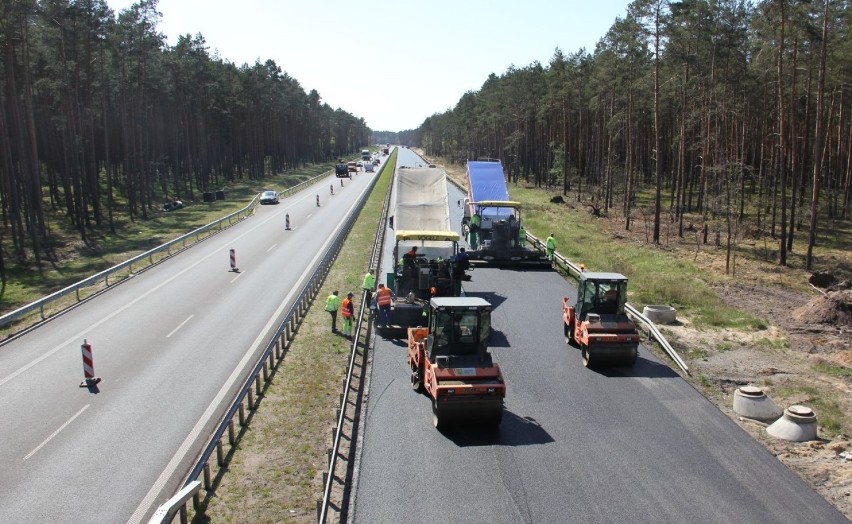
[368, 167]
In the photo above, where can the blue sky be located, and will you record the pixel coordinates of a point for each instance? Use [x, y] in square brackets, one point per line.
[394, 63]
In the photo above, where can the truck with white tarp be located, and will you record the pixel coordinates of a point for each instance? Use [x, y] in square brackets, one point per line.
[425, 245]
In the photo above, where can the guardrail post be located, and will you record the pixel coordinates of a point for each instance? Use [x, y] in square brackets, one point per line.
[250, 399]
[242, 414]
[207, 484]
[266, 371]
[257, 385]
[231, 435]
[220, 453]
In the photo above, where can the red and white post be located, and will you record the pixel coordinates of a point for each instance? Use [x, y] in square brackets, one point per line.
[331, 187]
[287, 221]
[234, 267]
[318, 201]
[88, 366]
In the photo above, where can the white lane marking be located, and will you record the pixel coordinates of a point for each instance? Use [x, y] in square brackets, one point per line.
[63, 426]
[175, 330]
[273, 246]
[310, 215]
[226, 387]
[239, 274]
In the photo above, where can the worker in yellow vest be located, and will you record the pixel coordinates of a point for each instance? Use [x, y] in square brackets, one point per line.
[332, 304]
[551, 247]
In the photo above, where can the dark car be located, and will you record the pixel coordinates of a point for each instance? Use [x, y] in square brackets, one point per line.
[269, 197]
[171, 206]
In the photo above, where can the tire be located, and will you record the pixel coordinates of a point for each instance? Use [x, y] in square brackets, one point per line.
[417, 378]
[569, 334]
[587, 358]
[436, 415]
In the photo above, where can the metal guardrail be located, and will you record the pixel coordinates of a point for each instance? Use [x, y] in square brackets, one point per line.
[147, 258]
[166, 512]
[266, 364]
[376, 262]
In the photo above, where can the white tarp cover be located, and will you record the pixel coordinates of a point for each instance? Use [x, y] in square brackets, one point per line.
[422, 202]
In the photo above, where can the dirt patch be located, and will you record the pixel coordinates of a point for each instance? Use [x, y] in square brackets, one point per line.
[807, 337]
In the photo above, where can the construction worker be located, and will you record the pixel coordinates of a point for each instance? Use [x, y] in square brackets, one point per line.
[473, 229]
[461, 263]
[369, 284]
[332, 304]
[550, 246]
[522, 236]
[347, 309]
[383, 302]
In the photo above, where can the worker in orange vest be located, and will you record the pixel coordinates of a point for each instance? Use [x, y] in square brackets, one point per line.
[347, 309]
[383, 302]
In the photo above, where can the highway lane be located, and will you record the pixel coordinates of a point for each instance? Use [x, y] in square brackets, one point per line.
[171, 344]
[575, 445]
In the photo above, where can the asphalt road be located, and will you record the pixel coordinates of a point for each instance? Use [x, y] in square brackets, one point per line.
[172, 345]
[575, 445]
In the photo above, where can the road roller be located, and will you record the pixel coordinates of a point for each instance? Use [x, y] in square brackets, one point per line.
[450, 363]
[598, 324]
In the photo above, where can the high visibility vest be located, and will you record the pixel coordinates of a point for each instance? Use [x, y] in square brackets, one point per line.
[346, 308]
[384, 297]
[369, 282]
[332, 302]
[551, 243]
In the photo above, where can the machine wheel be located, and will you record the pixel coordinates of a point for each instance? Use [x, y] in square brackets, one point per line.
[587, 358]
[569, 333]
[417, 378]
[437, 420]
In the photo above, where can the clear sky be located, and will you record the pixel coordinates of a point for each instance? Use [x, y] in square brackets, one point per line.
[392, 62]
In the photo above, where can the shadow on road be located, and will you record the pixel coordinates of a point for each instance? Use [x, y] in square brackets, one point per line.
[498, 339]
[493, 298]
[642, 369]
[513, 431]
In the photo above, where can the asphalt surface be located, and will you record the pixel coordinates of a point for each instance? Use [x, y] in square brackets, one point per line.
[575, 445]
[172, 345]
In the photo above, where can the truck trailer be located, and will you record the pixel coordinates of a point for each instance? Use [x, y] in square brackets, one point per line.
[425, 247]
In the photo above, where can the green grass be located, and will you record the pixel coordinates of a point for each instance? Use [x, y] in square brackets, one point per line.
[832, 370]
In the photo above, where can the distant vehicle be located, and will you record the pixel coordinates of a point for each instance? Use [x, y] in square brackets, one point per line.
[365, 154]
[368, 167]
[171, 206]
[359, 163]
[352, 167]
[269, 197]
[341, 170]
[376, 162]
[385, 150]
